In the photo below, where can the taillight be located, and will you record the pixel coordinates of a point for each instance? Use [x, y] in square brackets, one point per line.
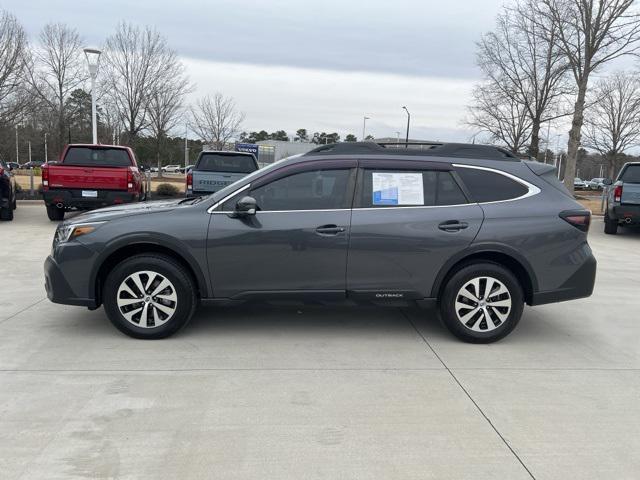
[189, 181]
[45, 177]
[1, 170]
[130, 179]
[617, 193]
[581, 219]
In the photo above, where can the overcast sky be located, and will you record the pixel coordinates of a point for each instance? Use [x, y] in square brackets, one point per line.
[317, 65]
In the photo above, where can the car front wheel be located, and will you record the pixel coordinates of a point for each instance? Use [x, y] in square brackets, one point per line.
[482, 303]
[149, 296]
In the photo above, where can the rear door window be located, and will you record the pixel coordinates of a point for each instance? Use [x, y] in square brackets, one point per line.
[486, 186]
[227, 163]
[417, 188]
[631, 174]
[98, 157]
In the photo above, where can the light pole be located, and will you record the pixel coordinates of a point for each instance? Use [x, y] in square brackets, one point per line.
[17, 147]
[186, 149]
[93, 59]
[364, 126]
[46, 154]
[406, 142]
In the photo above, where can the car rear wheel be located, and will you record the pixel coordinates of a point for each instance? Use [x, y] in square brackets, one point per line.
[482, 303]
[6, 213]
[610, 226]
[149, 296]
[54, 213]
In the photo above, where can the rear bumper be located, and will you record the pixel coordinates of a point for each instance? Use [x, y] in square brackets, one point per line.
[73, 198]
[626, 214]
[59, 290]
[579, 285]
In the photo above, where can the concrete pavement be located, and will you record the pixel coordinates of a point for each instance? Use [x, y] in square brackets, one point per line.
[264, 392]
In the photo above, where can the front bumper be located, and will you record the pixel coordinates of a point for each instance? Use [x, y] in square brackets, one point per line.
[73, 198]
[579, 285]
[58, 288]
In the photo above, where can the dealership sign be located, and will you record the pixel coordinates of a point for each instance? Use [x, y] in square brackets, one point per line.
[247, 147]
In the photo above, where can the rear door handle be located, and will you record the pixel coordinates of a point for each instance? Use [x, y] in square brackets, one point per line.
[453, 226]
[329, 230]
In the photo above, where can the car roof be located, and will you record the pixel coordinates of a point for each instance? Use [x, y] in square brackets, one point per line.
[228, 152]
[416, 149]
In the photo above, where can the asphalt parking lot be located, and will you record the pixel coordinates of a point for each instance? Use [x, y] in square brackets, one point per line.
[262, 392]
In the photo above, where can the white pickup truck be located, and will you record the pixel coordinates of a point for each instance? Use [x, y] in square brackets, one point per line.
[215, 170]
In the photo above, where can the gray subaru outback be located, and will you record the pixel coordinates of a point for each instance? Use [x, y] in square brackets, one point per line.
[470, 229]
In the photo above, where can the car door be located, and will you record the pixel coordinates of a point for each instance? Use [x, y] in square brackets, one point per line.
[295, 244]
[409, 218]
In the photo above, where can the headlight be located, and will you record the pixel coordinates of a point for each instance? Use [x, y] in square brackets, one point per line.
[66, 232]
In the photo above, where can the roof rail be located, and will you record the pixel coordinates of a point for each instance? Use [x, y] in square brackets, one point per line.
[437, 149]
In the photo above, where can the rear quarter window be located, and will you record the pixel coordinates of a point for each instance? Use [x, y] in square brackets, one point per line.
[98, 157]
[228, 163]
[486, 186]
[631, 174]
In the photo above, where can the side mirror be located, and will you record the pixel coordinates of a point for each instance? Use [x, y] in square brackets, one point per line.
[607, 181]
[246, 206]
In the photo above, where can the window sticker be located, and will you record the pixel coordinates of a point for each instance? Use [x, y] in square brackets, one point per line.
[397, 189]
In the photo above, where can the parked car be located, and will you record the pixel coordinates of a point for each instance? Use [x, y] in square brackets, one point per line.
[623, 199]
[215, 170]
[469, 228]
[579, 184]
[91, 176]
[186, 169]
[171, 168]
[32, 164]
[153, 169]
[8, 201]
[596, 184]
[13, 165]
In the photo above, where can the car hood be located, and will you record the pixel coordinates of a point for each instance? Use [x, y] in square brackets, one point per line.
[127, 210]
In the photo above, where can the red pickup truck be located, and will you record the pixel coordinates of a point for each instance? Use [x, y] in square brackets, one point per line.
[91, 176]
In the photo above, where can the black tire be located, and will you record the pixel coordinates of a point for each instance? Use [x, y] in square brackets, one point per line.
[167, 267]
[6, 213]
[610, 226]
[454, 285]
[54, 213]
[15, 203]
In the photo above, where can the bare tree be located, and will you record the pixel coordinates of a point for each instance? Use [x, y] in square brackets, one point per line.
[57, 70]
[523, 58]
[496, 111]
[13, 53]
[216, 120]
[165, 102]
[134, 68]
[590, 34]
[612, 121]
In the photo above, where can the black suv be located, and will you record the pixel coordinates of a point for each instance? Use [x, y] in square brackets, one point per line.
[469, 228]
[7, 192]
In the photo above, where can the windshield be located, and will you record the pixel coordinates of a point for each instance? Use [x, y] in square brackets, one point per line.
[102, 157]
[631, 174]
[226, 162]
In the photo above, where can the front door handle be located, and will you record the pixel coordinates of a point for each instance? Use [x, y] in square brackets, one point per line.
[329, 230]
[453, 226]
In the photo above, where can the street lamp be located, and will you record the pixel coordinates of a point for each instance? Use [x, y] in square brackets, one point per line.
[93, 59]
[364, 126]
[406, 142]
[17, 147]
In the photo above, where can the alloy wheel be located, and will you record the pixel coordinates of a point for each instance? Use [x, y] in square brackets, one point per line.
[147, 299]
[483, 304]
